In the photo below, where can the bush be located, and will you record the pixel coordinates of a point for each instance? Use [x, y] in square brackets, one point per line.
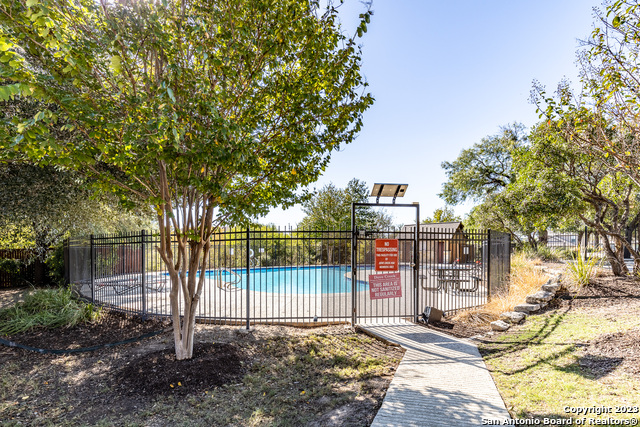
[543, 253]
[55, 265]
[46, 308]
[568, 254]
[581, 271]
[10, 266]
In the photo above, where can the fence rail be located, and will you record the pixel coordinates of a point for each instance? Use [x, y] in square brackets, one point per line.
[293, 276]
[587, 243]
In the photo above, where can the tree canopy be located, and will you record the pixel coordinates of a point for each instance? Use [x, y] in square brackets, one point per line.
[211, 111]
[484, 169]
[444, 214]
[330, 209]
[39, 206]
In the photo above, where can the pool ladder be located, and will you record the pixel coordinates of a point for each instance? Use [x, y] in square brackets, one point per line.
[228, 285]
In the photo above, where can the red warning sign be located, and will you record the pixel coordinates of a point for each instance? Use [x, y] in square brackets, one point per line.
[386, 285]
[386, 255]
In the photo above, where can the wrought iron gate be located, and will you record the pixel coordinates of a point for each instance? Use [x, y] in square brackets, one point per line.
[403, 301]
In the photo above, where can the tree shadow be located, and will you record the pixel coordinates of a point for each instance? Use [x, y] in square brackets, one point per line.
[496, 349]
[593, 367]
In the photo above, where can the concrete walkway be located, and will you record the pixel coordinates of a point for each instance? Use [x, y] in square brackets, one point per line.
[441, 381]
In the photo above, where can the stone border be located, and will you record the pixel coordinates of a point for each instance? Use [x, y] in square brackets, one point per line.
[534, 302]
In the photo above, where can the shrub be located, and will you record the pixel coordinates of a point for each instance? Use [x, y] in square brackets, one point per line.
[46, 308]
[55, 265]
[568, 254]
[581, 271]
[10, 266]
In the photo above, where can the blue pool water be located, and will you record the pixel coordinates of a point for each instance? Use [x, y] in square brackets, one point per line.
[292, 280]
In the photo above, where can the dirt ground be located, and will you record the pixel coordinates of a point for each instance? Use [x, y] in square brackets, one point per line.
[127, 383]
[118, 383]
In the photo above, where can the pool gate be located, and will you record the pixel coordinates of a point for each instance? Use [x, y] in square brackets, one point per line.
[294, 276]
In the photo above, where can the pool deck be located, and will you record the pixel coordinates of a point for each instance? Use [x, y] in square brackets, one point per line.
[220, 302]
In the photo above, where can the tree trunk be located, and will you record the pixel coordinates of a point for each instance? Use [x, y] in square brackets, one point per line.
[543, 237]
[615, 258]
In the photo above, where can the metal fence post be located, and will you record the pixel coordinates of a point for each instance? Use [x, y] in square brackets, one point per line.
[354, 276]
[65, 257]
[586, 241]
[248, 259]
[92, 266]
[509, 254]
[144, 278]
[416, 264]
[488, 265]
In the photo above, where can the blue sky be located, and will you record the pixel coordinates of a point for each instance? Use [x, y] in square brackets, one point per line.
[446, 73]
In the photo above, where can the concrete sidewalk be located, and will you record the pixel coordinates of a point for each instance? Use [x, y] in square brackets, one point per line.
[441, 381]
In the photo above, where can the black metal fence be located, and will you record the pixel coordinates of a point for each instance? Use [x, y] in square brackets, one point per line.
[21, 267]
[586, 243]
[290, 276]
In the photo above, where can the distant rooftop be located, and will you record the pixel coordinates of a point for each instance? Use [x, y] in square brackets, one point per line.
[437, 226]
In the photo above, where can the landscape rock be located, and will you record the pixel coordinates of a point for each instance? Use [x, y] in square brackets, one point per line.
[513, 316]
[551, 287]
[540, 297]
[526, 308]
[500, 325]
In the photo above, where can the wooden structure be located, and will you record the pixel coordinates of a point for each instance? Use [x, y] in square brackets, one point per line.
[444, 243]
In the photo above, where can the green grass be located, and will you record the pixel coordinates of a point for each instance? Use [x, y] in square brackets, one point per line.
[46, 308]
[538, 372]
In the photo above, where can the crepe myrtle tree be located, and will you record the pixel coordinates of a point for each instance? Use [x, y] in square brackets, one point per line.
[211, 111]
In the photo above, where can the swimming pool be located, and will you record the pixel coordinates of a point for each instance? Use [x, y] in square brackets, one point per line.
[291, 280]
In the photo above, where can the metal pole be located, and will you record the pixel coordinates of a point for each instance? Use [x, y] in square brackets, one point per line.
[65, 257]
[586, 241]
[416, 263]
[488, 265]
[509, 254]
[92, 268]
[144, 279]
[353, 263]
[248, 259]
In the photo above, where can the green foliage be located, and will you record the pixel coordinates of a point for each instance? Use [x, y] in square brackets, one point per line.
[581, 271]
[484, 169]
[46, 308]
[42, 205]
[212, 120]
[568, 254]
[10, 266]
[445, 214]
[330, 209]
[242, 103]
[486, 173]
[542, 252]
[55, 265]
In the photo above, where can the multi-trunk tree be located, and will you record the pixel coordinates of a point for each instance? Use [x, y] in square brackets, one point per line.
[210, 111]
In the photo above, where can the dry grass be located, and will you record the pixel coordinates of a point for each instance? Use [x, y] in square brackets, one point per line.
[526, 278]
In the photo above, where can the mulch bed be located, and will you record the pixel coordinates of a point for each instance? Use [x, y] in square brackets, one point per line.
[119, 381]
[112, 328]
[212, 365]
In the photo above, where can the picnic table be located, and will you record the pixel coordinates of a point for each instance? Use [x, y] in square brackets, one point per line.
[456, 277]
